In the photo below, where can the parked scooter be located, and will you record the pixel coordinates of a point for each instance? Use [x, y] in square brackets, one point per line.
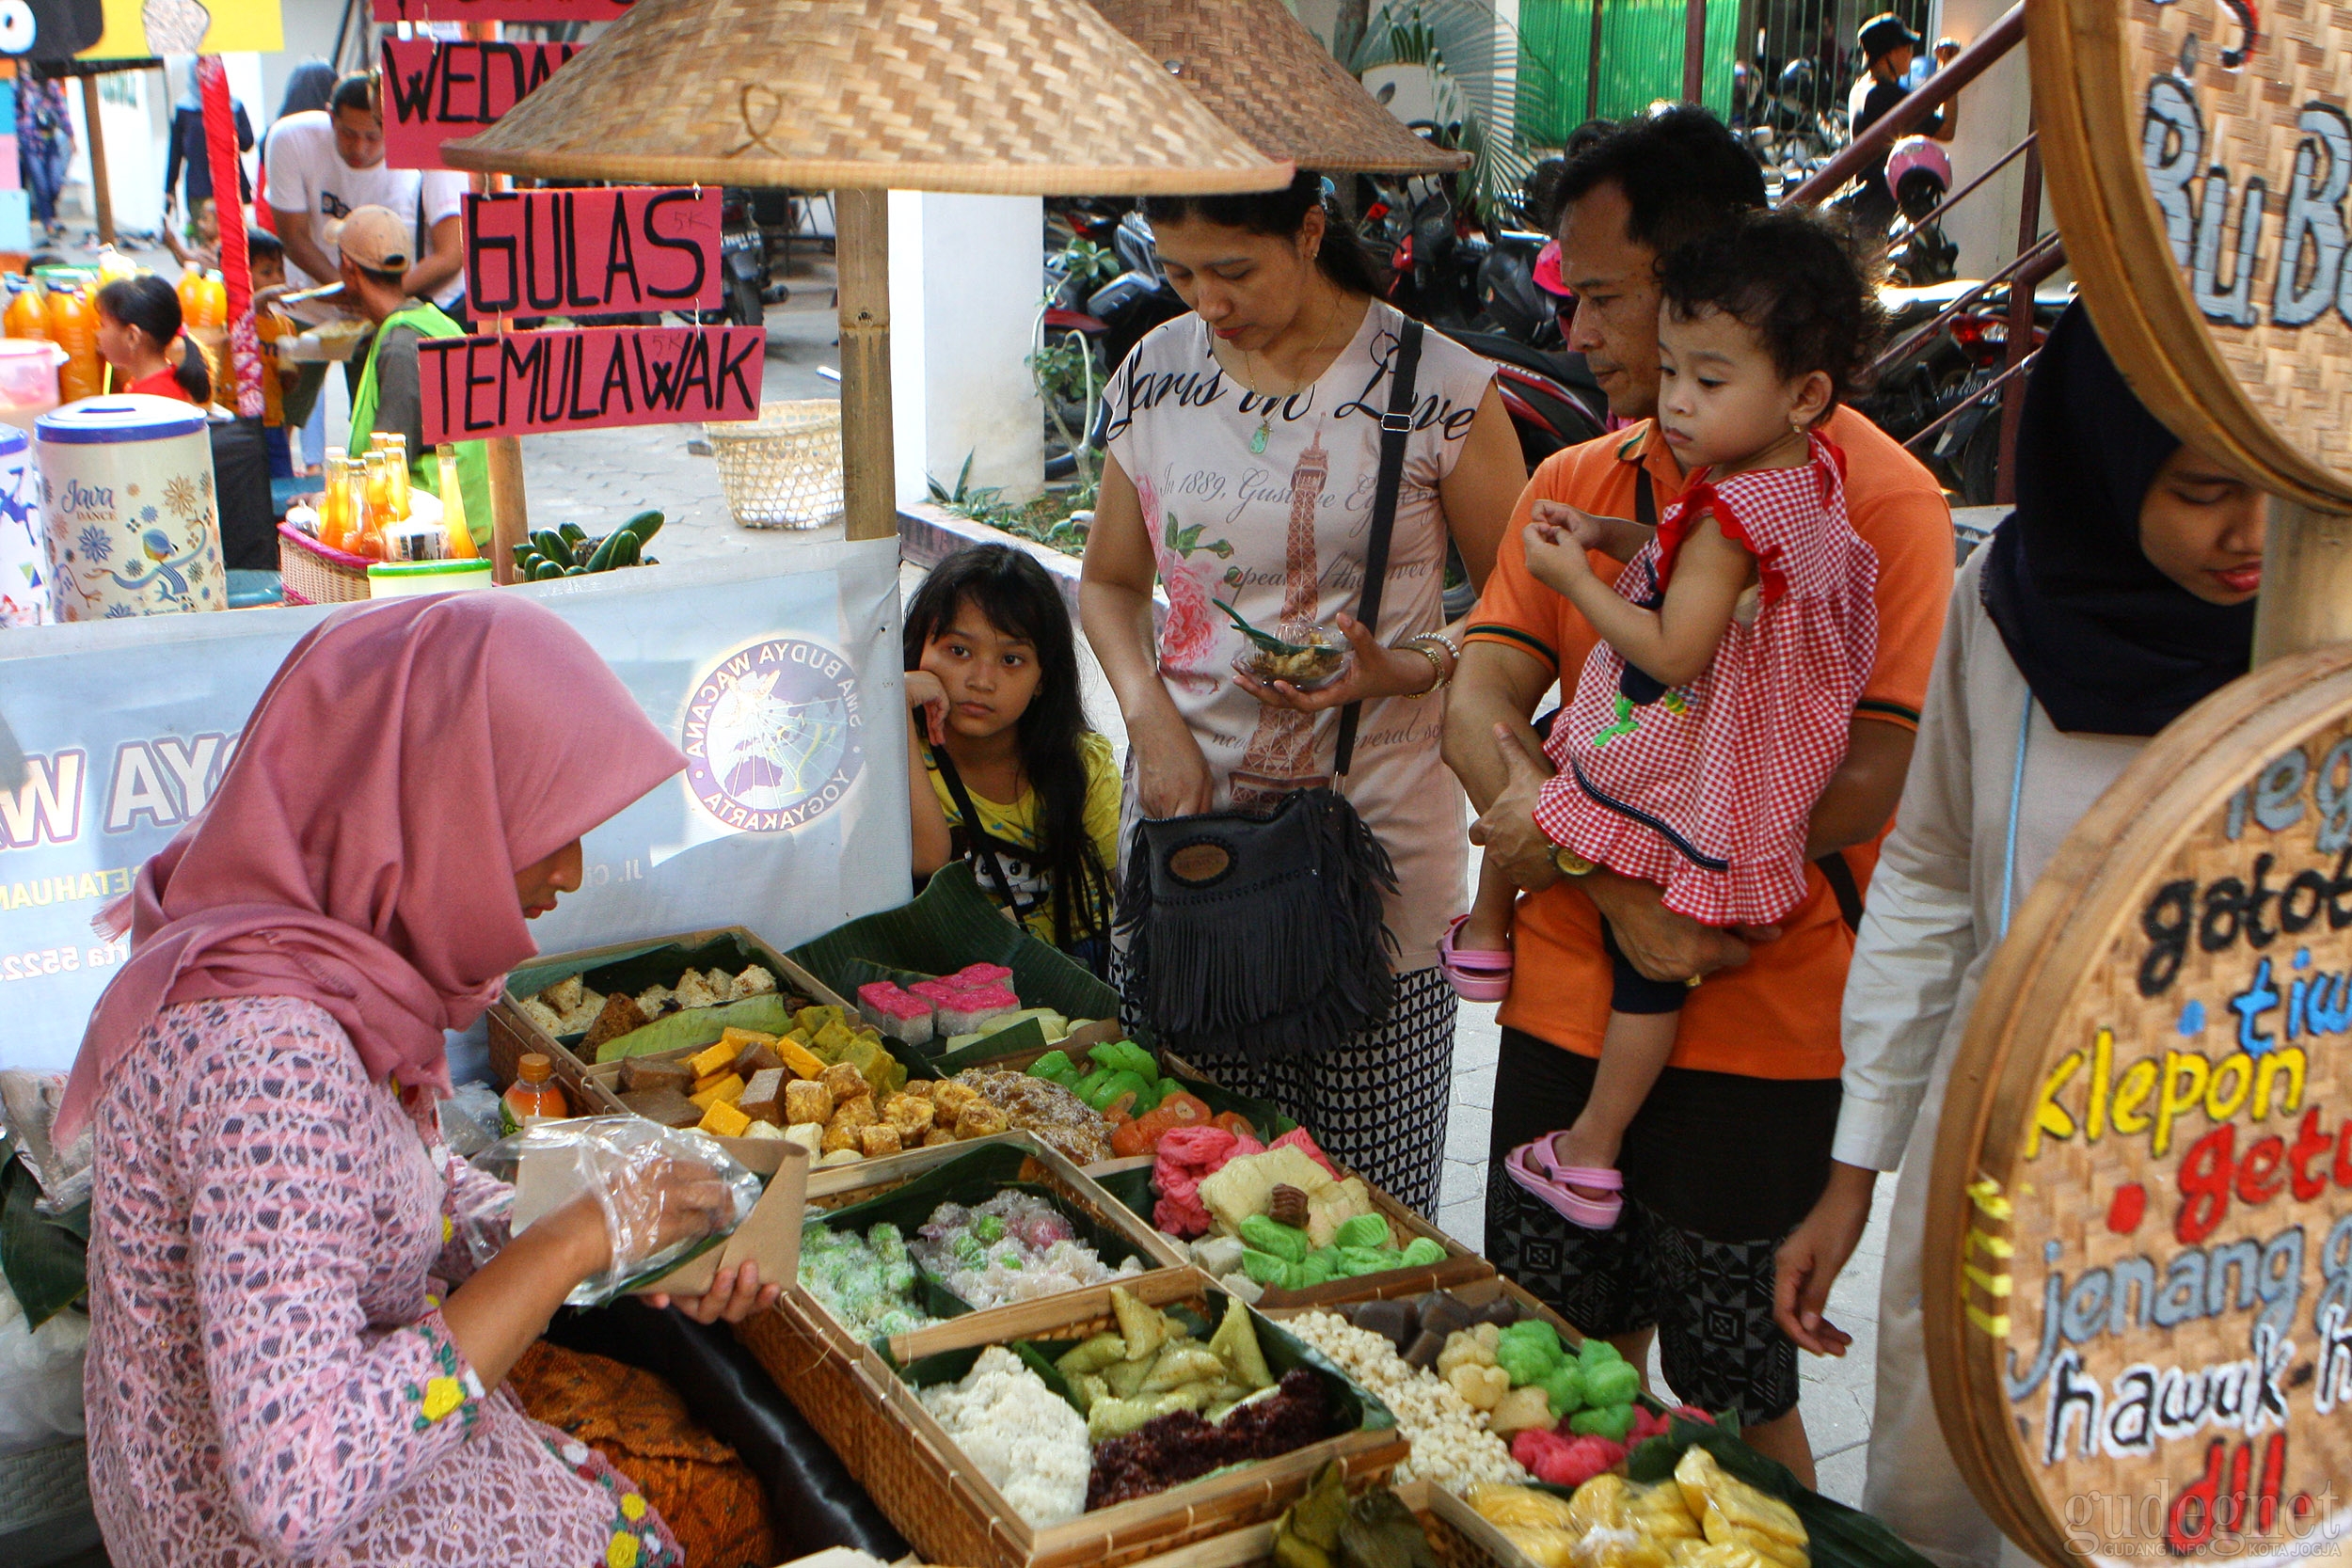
[752, 223]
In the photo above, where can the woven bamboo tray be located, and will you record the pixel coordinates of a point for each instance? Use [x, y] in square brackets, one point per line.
[835, 1380]
[312, 574]
[597, 1085]
[846, 1187]
[1460, 1266]
[979, 1528]
[1454, 1546]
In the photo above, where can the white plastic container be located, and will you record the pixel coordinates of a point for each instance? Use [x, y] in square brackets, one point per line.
[24, 556]
[411, 578]
[131, 517]
[29, 380]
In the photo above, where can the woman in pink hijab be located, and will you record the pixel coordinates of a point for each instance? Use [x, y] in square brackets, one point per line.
[291, 1354]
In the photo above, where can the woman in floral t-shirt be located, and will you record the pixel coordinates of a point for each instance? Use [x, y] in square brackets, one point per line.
[1245, 449]
[291, 1354]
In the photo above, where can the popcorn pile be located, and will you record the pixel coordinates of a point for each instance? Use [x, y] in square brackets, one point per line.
[1453, 1447]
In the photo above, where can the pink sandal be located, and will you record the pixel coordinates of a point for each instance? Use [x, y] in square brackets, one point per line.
[1475, 976]
[1533, 1167]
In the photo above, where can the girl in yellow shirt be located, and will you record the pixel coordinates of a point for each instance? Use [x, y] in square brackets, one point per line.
[1002, 768]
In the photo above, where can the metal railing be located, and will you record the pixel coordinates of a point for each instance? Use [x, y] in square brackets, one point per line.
[2039, 255]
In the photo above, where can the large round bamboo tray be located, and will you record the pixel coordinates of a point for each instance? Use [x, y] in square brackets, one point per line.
[2151, 1092]
[2179, 139]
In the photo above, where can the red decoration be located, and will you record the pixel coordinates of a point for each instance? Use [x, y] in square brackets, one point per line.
[236, 270]
[2129, 1207]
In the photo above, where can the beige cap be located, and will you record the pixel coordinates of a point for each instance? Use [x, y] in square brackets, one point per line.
[373, 238]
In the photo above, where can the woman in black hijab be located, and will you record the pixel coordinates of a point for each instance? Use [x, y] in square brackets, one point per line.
[2117, 595]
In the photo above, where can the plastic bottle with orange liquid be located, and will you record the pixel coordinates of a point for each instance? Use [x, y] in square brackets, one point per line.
[73, 327]
[26, 317]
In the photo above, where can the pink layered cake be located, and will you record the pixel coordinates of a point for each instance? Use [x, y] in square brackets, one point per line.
[975, 977]
[968, 1009]
[897, 1013]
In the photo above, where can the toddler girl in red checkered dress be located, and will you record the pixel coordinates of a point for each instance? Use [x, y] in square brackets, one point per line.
[1735, 643]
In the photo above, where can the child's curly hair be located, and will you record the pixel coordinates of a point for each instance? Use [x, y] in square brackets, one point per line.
[1792, 278]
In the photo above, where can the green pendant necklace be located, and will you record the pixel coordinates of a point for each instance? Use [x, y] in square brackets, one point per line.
[1264, 432]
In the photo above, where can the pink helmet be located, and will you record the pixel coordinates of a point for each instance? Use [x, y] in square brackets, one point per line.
[1917, 152]
[1548, 271]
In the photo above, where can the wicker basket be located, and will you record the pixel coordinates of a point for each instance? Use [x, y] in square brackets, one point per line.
[314, 574]
[783, 468]
[915, 1473]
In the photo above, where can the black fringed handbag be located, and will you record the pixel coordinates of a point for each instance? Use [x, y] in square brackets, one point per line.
[1261, 933]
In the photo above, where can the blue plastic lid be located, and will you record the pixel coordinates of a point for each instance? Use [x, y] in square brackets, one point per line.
[132, 417]
[12, 440]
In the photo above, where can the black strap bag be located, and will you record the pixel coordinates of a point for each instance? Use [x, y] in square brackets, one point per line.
[1261, 933]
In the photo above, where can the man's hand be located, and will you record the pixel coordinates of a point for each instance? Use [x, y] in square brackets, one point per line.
[1808, 1261]
[1507, 826]
[1658, 941]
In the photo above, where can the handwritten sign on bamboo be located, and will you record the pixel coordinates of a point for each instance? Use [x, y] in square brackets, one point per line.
[435, 91]
[588, 378]
[500, 10]
[2138, 1291]
[2199, 155]
[586, 252]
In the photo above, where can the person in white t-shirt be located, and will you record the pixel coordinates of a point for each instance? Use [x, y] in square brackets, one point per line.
[323, 166]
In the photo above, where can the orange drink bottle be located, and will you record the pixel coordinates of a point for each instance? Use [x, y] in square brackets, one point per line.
[334, 505]
[534, 1095]
[454, 508]
[73, 329]
[26, 317]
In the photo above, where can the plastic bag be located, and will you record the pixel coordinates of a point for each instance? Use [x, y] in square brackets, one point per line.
[40, 1377]
[664, 1192]
[28, 1106]
[469, 1119]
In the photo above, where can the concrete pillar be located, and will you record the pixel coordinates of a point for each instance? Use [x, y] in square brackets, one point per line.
[1996, 112]
[966, 276]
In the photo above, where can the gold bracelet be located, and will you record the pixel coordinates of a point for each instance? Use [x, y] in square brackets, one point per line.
[1436, 667]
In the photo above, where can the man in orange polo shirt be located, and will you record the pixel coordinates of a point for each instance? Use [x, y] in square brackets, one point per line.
[1733, 1145]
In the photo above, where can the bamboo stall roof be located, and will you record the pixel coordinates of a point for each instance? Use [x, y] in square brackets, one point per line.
[994, 97]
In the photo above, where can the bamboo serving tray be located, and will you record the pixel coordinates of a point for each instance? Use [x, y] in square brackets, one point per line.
[979, 1528]
[597, 1085]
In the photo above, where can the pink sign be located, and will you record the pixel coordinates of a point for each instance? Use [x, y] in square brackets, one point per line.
[582, 252]
[500, 10]
[436, 92]
[588, 378]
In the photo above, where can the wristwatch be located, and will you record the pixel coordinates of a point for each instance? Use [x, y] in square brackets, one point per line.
[1570, 863]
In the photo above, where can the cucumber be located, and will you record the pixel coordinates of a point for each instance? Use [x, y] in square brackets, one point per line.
[576, 571]
[602, 560]
[527, 567]
[644, 526]
[625, 550]
[544, 571]
[552, 545]
[524, 552]
[573, 533]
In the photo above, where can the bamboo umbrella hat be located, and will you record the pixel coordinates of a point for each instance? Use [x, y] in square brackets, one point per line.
[1259, 69]
[994, 97]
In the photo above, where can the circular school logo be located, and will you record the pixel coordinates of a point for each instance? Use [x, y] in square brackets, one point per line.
[771, 734]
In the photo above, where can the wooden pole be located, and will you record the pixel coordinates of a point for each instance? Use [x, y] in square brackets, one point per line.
[2021, 311]
[1592, 69]
[869, 482]
[101, 198]
[2307, 581]
[1693, 50]
[510, 519]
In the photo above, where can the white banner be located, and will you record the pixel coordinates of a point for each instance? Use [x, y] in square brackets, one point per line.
[784, 690]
